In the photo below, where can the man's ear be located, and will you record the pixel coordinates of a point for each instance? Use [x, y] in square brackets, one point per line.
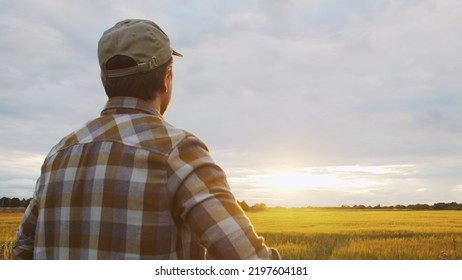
[167, 79]
[164, 84]
[103, 78]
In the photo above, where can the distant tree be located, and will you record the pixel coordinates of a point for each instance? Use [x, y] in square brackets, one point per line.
[419, 207]
[5, 202]
[15, 202]
[258, 207]
[244, 205]
[455, 206]
[447, 206]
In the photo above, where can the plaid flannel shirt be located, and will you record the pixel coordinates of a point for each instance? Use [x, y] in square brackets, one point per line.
[128, 185]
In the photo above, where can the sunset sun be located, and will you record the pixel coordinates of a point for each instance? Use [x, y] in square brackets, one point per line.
[287, 180]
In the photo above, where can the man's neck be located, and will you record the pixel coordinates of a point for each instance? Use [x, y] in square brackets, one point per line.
[155, 104]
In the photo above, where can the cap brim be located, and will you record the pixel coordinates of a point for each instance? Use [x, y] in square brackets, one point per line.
[175, 53]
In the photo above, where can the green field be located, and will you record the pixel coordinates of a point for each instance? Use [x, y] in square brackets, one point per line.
[319, 234]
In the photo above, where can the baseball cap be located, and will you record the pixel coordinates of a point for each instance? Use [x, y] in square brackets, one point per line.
[142, 40]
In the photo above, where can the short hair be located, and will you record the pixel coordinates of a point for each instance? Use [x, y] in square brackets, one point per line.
[142, 85]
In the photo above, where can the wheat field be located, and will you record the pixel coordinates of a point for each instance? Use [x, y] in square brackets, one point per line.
[337, 234]
[8, 226]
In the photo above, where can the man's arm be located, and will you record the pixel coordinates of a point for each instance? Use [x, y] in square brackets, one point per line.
[23, 247]
[204, 201]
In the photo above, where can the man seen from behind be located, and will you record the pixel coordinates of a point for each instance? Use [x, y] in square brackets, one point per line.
[128, 185]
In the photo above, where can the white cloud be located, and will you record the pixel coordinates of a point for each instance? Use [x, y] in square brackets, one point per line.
[369, 88]
[20, 164]
[18, 182]
[319, 88]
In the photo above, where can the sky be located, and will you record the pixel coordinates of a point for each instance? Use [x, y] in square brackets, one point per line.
[302, 103]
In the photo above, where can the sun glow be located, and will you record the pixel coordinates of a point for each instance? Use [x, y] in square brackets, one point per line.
[317, 185]
[298, 179]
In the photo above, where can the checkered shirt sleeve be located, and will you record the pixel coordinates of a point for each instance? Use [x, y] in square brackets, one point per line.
[203, 201]
[128, 185]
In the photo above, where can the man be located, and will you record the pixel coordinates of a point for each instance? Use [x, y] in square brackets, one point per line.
[128, 185]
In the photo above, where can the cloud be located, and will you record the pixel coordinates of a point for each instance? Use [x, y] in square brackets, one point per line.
[348, 185]
[19, 171]
[266, 84]
[19, 164]
[323, 84]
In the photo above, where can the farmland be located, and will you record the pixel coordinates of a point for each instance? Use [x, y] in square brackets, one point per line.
[361, 234]
[8, 226]
[319, 234]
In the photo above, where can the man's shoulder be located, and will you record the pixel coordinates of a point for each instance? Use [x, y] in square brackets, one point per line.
[177, 135]
[133, 130]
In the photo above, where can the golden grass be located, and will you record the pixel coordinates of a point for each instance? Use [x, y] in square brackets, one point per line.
[318, 220]
[323, 234]
[8, 225]
[411, 248]
[319, 234]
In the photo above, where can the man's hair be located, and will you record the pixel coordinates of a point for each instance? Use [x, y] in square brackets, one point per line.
[142, 85]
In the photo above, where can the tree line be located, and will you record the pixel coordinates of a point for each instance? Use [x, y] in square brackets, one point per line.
[255, 207]
[14, 202]
[435, 206]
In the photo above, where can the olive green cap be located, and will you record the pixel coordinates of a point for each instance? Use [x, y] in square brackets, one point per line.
[141, 40]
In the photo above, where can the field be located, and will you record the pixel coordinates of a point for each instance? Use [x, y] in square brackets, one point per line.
[320, 234]
[338, 234]
[8, 226]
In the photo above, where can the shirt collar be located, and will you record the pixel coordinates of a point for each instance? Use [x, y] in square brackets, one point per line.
[122, 104]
